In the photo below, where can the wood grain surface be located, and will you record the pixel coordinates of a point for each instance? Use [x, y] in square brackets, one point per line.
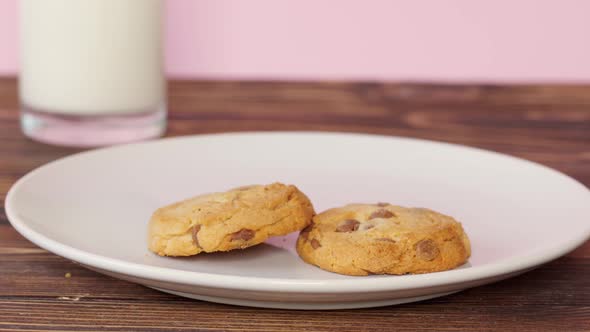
[546, 124]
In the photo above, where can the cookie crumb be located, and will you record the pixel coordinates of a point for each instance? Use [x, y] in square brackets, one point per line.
[73, 298]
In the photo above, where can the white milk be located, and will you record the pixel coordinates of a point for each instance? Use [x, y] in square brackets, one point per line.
[91, 57]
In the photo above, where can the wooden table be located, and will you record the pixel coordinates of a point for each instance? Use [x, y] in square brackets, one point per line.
[547, 124]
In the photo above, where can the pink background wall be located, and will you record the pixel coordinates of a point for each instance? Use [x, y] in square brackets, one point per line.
[453, 40]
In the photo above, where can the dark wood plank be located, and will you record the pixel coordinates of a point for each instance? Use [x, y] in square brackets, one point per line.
[547, 124]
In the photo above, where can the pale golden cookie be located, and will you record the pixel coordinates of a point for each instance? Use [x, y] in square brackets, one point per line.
[235, 219]
[362, 239]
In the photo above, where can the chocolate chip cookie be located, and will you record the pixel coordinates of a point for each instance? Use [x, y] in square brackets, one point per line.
[235, 219]
[363, 239]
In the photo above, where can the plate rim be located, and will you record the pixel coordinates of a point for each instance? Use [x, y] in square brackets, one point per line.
[250, 283]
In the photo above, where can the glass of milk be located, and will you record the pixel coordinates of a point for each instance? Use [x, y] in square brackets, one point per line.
[92, 71]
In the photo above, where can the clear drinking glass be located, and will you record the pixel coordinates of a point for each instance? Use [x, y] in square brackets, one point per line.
[92, 71]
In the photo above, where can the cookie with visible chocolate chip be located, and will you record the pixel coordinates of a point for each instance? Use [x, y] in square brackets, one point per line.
[363, 239]
[236, 219]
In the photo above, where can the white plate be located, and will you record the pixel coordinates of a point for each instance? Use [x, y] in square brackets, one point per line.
[93, 208]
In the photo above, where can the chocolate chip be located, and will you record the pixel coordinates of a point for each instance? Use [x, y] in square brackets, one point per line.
[386, 239]
[382, 204]
[196, 229]
[427, 250]
[348, 225]
[382, 213]
[244, 235]
[315, 243]
[305, 232]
